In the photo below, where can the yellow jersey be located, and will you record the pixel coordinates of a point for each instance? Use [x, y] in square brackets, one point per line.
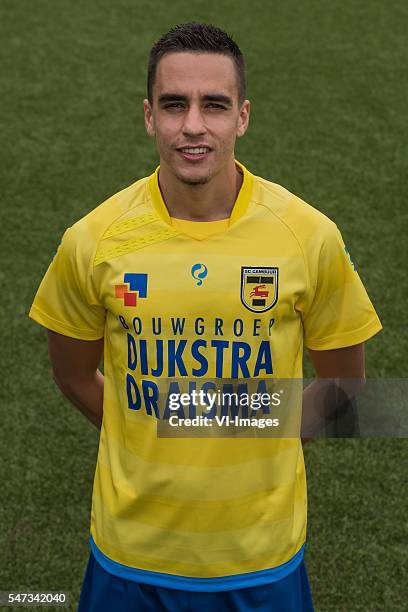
[179, 304]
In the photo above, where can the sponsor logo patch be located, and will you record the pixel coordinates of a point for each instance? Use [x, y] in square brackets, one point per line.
[134, 286]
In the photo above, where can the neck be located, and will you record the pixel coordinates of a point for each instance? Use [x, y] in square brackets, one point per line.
[210, 201]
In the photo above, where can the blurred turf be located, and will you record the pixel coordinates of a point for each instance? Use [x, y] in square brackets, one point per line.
[328, 87]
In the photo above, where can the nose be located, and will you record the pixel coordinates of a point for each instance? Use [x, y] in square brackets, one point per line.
[194, 124]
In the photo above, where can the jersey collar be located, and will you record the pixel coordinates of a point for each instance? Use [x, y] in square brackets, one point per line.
[240, 206]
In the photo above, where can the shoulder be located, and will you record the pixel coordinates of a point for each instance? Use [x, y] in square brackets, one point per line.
[306, 223]
[83, 236]
[95, 223]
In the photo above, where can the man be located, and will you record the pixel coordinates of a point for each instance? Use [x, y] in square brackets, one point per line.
[200, 272]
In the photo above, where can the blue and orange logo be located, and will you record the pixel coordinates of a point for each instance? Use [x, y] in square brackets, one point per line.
[134, 286]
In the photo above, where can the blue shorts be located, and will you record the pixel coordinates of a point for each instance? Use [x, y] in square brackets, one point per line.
[104, 591]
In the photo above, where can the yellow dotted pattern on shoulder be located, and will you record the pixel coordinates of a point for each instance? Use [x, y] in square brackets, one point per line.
[133, 245]
[129, 224]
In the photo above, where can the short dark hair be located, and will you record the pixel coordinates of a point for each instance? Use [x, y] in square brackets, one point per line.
[201, 38]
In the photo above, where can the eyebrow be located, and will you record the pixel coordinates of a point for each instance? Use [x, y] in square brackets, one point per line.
[173, 97]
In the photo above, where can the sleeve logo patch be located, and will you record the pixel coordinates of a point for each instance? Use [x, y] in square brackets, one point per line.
[349, 256]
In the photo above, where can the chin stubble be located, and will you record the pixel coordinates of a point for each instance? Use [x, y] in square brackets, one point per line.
[199, 181]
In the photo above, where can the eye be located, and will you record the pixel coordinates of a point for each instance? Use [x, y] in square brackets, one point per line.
[174, 105]
[215, 105]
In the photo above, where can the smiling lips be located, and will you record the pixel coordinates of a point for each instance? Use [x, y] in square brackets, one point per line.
[194, 153]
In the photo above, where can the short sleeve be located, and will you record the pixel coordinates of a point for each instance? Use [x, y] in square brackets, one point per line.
[339, 312]
[66, 301]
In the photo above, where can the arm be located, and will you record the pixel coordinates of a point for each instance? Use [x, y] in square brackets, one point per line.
[340, 375]
[75, 371]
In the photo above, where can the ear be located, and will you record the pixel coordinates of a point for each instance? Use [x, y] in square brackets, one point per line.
[148, 118]
[243, 119]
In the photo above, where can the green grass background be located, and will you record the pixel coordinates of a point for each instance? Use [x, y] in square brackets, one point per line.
[328, 86]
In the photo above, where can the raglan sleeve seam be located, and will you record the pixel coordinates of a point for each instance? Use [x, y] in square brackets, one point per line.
[300, 246]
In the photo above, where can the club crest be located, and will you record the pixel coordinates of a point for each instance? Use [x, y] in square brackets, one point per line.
[259, 288]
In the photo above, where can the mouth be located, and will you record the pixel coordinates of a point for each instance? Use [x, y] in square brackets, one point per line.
[194, 154]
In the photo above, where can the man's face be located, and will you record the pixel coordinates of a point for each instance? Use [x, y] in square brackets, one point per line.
[195, 103]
